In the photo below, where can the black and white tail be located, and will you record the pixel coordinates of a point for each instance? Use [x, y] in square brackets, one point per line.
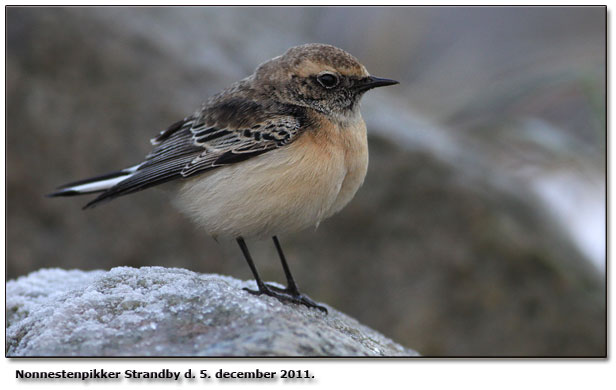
[94, 184]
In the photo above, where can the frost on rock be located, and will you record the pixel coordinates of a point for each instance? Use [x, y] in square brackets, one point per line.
[156, 311]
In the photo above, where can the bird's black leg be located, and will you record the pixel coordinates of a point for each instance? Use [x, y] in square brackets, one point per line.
[291, 285]
[251, 264]
[289, 294]
[292, 288]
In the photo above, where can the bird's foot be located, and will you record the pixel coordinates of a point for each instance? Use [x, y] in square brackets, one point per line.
[287, 295]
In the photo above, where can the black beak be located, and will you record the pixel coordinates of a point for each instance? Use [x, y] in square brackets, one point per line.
[374, 82]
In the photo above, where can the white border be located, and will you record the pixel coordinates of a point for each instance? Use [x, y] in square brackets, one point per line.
[342, 373]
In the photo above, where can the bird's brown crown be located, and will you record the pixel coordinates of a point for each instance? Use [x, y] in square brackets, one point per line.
[311, 59]
[318, 76]
[314, 58]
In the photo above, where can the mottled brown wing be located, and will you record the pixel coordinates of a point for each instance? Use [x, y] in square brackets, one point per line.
[203, 142]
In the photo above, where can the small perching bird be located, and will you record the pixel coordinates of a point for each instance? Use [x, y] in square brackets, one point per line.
[277, 152]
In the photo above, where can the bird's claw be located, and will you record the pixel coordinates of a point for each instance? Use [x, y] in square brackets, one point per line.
[287, 295]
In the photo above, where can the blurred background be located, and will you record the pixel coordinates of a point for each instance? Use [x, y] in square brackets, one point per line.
[480, 228]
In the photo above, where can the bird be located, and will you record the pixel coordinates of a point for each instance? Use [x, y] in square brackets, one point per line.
[276, 152]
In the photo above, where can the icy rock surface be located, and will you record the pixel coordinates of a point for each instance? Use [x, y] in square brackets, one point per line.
[155, 311]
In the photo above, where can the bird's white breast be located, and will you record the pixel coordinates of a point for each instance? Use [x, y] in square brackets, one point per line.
[284, 190]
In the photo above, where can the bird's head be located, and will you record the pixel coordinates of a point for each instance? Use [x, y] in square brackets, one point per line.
[322, 77]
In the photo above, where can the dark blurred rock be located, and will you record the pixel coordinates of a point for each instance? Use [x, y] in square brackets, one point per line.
[154, 311]
[446, 252]
[455, 264]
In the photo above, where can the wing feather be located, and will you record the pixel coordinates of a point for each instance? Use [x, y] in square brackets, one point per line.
[199, 143]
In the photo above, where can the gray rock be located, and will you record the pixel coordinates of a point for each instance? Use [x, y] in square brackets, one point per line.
[156, 311]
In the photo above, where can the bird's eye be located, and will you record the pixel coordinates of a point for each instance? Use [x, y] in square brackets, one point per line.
[328, 80]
